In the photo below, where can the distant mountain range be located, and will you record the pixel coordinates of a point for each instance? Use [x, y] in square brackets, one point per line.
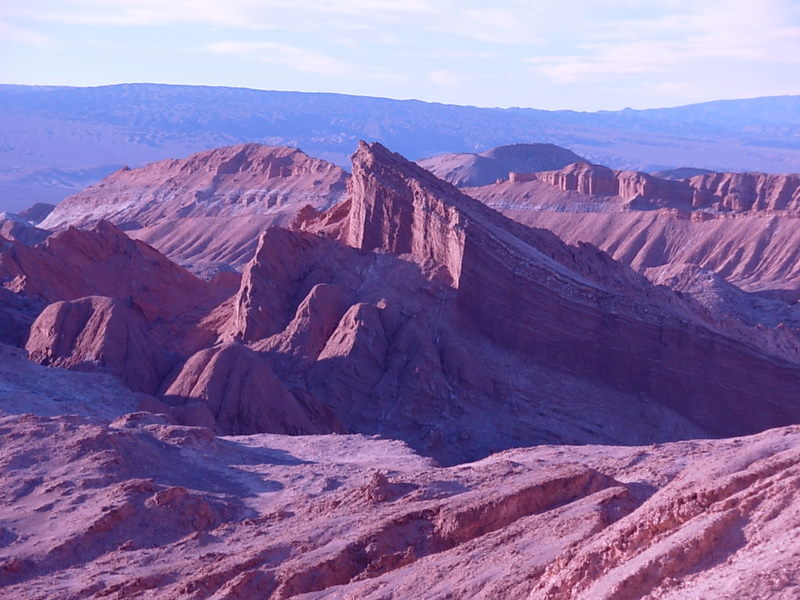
[55, 141]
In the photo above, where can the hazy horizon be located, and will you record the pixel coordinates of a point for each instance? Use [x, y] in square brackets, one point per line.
[401, 99]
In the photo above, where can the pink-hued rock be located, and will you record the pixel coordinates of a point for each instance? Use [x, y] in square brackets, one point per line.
[746, 192]
[102, 261]
[99, 333]
[468, 170]
[448, 299]
[397, 207]
[314, 322]
[207, 210]
[248, 178]
[15, 227]
[139, 507]
[244, 395]
[414, 312]
[743, 226]
[269, 281]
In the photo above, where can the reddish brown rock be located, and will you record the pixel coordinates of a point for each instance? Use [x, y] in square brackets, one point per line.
[243, 394]
[264, 303]
[207, 210]
[746, 192]
[102, 261]
[99, 333]
[743, 226]
[313, 324]
[171, 512]
[433, 271]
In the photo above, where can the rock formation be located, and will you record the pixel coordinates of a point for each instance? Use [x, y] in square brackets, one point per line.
[746, 192]
[172, 512]
[37, 212]
[440, 331]
[469, 170]
[412, 310]
[739, 225]
[99, 333]
[426, 269]
[207, 209]
[244, 396]
[16, 228]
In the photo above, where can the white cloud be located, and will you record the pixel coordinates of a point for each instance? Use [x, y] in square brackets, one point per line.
[19, 35]
[722, 30]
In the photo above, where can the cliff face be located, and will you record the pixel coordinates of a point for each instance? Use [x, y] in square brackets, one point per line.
[409, 310]
[497, 289]
[719, 192]
[746, 192]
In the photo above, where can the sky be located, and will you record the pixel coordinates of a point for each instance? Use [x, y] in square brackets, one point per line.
[581, 55]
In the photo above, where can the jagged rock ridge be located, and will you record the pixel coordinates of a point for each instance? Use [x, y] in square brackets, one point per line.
[407, 310]
[206, 210]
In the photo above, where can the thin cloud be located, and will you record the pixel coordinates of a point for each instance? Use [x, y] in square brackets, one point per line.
[19, 35]
[718, 31]
[297, 58]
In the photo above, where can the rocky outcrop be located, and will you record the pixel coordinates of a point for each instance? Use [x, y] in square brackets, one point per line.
[244, 395]
[746, 192]
[99, 334]
[206, 211]
[439, 286]
[415, 311]
[267, 294]
[169, 511]
[15, 227]
[397, 207]
[314, 322]
[469, 170]
[638, 190]
[76, 263]
[720, 193]
[37, 212]
[249, 178]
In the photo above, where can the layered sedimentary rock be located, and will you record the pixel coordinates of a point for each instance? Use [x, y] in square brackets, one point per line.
[207, 209]
[717, 192]
[427, 270]
[249, 178]
[467, 169]
[746, 192]
[412, 310]
[742, 226]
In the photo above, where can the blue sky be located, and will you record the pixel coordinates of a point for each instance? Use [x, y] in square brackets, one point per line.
[583, 55]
